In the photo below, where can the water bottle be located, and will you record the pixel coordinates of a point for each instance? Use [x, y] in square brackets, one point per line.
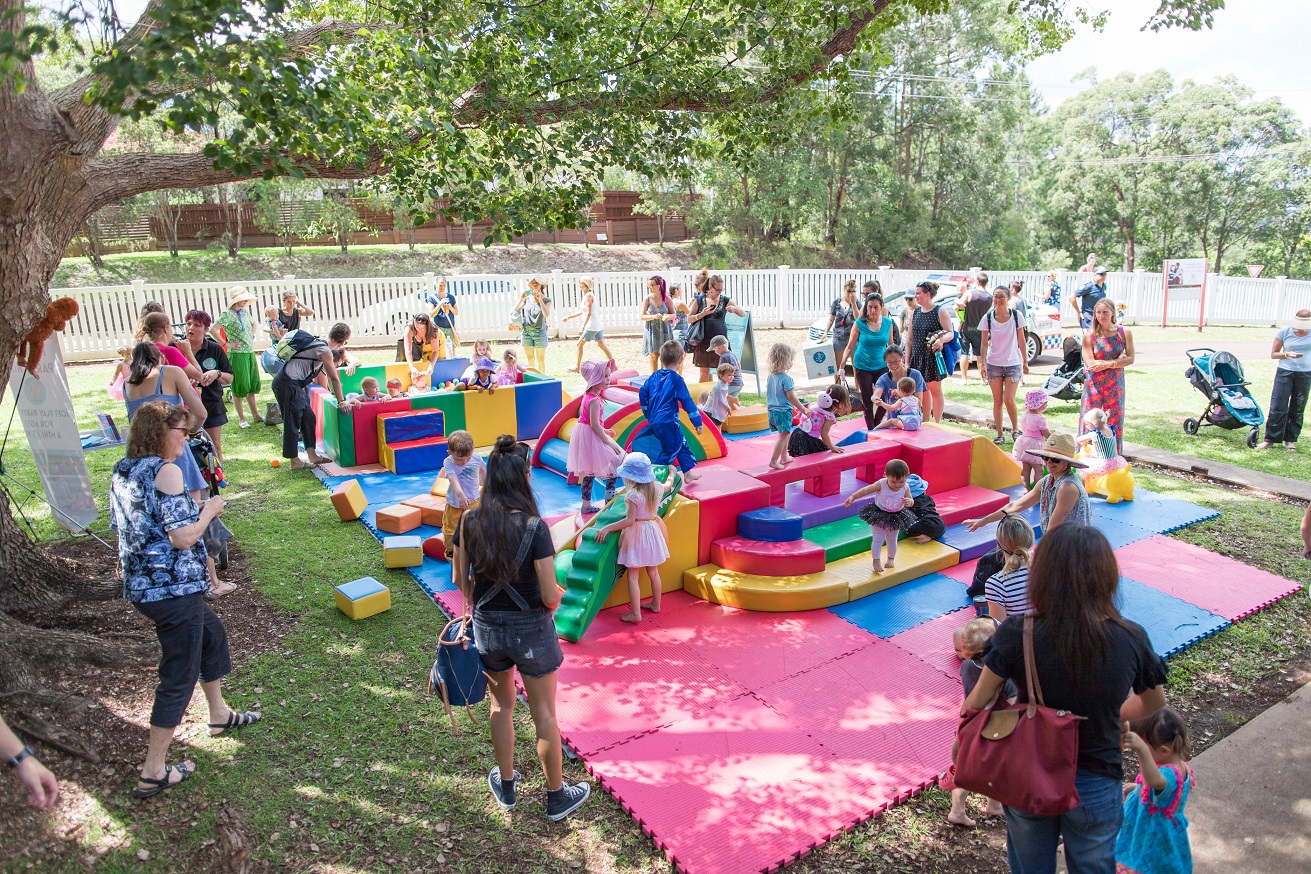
[980, 605]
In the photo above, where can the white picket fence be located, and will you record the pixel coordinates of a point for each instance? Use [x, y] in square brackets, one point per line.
[377, 309]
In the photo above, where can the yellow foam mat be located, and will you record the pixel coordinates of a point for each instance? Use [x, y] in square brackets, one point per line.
[744, 420]
[488, 415]
[766, 594]
[914, 560]
[991, 467]
[563, 531]
[683, 520]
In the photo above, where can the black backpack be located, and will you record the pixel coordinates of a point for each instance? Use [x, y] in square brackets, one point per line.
[305, 346]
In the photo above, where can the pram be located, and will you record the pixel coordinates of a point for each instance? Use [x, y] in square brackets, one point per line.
[1219, 376]
[217, 536]
[1066, 382]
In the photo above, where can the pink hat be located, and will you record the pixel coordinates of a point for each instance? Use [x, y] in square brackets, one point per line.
[1035, 400]
[596, 372]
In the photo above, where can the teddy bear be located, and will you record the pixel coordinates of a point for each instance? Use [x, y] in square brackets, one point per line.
[57, 316]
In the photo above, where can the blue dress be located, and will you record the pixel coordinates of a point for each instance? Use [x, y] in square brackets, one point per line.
[192, 478]
[1154, 836]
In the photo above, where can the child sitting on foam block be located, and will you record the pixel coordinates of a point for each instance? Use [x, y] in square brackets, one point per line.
[464, 472]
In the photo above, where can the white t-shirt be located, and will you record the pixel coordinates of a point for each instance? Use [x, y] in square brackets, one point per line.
[593, 322]
[1002, 348]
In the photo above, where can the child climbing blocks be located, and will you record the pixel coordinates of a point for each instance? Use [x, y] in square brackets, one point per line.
[398, 519]
[404, 551]
[349, 501]
[362, 598]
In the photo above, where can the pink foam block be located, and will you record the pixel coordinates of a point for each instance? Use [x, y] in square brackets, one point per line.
[778, 559]
[822, 472]
[723, 493]
[968, 502]
[364, 422]
[941, 458]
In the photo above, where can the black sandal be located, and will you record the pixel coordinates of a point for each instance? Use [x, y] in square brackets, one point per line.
[164, 784]
[235, 720]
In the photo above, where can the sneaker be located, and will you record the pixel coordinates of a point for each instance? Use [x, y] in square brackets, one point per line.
[566, 800]
[503, 792]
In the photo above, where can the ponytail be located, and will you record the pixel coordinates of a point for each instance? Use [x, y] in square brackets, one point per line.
[145, 358]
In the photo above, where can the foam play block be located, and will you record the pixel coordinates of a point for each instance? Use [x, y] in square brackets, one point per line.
[447, 369]
[938, 456]
[349, 501]
[840, 538]
[412, 424]
[785, 558]
[554, 455]
[744, 419]
[405, 551]
[329, 441]
[724, 494]
[451, 403]
[364, 424]
[967, 502]
[413, 456]
[822, 472]
[362, 598]
[773, 524]
[398, 370]
[534, 405]
[398, 519]
[431, 506]
[487, 415]
[991, 467]
[767, 594]
[914, 560]
[434, 547]
[682, 519]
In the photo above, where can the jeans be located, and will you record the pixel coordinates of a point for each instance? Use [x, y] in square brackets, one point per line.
[297, 416]
[1287, 405]
[1089, 831]
[193, 646]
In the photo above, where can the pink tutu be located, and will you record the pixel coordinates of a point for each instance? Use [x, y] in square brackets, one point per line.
[589, 455]
[643, 543]
[1104, 465]
[1022, 452]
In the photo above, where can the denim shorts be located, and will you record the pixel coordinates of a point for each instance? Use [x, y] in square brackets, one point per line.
[523, 639]
[593, 336]
[1013, 372]
[534, 338]
[780, 421]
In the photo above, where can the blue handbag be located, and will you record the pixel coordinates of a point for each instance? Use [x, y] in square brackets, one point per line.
[458, 673]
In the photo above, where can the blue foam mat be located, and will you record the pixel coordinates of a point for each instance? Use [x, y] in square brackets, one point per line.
[970, 544]
[1173, 625]
[904, 606]
[1120, 533]
[747, 436]
[1152, 511]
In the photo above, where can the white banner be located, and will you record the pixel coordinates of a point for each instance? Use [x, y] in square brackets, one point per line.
[46, 408]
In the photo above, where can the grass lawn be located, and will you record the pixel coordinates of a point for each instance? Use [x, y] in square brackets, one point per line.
[355, 768]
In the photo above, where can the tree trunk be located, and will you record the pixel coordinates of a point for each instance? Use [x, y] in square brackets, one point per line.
[468, 235]
[237, 248]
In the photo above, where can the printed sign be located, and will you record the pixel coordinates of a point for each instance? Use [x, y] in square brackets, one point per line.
[742, 340]
[1185, 272]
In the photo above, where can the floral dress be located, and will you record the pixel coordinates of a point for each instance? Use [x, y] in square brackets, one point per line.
[153, 569]
[656, 332]
[1104, 389]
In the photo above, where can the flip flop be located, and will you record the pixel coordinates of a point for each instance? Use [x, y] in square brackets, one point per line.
[164, 784]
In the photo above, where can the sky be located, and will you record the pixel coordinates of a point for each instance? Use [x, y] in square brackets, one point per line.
[1260, 42]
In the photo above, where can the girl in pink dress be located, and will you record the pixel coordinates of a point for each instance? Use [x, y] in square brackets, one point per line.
[644, 542]
[593, 451]
[1033, 431]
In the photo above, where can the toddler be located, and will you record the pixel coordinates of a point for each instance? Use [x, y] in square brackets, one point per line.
[904, 412]
[644, 542]
[481, 381]
[970, 641]
[1033, 431]
[1103, 455]
[719, 345]
[393, 388]
[812, 435]
[680, 315]
[593, 451]
[887, 516]
[1154, 835]
[481, 349]
[720, 401]
[508, 372]
[661, 395]
[369, 390]
[121, 373]
[781, 400]
[464, 472]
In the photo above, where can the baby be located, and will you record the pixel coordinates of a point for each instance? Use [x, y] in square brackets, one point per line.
[508, 372]
[393, 388]
[903, 413]
[369, 390]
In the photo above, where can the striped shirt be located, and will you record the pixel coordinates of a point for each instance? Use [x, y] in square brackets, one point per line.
[1010, 590]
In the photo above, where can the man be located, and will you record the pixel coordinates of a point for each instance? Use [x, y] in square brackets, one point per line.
[1083, 300]
[290, 387]
[975, 301]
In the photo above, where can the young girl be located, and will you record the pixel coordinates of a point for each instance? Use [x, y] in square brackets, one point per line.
[1103, 456]
[115, 386]
[970, 640]
[812, 435]
[481, 381]
[1154, 836]
[508, 372]
[781, 399]
[904, 412]
[1033, 431]
[645, 540]
[1008, 589]
[680, 316]
[394, 389]
[481, 349]
[887, 517]
[593, 451]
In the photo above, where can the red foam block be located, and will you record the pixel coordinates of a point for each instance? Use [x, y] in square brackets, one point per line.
[723, 493]
[364, 422]
[822, 472]
[968, 502]
[941, 458]
[434, 547]
[776, 559]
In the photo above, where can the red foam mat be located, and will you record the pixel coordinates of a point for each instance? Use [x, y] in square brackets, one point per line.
[1205, 579]
[931, 642]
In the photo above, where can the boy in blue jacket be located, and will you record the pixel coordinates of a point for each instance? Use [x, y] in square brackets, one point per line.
[661, 396]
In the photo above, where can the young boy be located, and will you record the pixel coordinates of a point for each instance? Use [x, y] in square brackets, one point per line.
[661, 396]
[236, 324]
[464, 473]
[720, 401]
[719, 345]
[369, 390]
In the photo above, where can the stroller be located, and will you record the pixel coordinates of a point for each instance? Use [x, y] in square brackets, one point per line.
[1066, 382]
[217, 536]
[1219, 376]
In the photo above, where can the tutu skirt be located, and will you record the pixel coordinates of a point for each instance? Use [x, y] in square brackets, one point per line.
[643, 545]
[1104, 465]
[588, 456]
[889, 520]
[1022, 451]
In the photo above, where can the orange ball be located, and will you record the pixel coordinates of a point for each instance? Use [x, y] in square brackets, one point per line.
[277, 462]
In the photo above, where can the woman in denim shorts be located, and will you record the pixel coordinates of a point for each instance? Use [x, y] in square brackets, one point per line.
[505, 565]
[1005, 358]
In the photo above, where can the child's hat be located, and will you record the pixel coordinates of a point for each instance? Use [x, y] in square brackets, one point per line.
[394, 381]
[916, 485]
[1035, 400]
[636, 467]
[595, 372]
[484, 363]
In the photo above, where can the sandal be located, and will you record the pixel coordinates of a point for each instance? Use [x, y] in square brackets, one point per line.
[216, 592]
[164, 784]
[235, 720]
[999, 440]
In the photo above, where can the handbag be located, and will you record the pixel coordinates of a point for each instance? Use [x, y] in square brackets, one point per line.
[458, 673]
[857, 403]
[696, 331]
[1023, 755]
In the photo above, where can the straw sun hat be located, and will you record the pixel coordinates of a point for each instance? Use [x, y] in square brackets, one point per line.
[1059, 447]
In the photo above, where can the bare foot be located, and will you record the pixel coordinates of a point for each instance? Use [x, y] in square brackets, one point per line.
[960, 818]
[891, 562]
[654, 606]
[994, 808]
[221, 588]
[691, 477]
[774, 465]
[297, 464]
[922, 538]
[573, 370]
[788, 459]
[631, 617]
[318, 459]
[878, 567]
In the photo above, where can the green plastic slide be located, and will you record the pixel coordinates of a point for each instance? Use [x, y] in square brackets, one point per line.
[588, 574]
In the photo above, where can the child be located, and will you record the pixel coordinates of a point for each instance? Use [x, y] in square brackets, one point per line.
[1033, 431]
[481, 349]
[719, 345]
[121, 372]
[1103, 455]
[645, 539]
[887, 516]
[593, 331]
[661, 395]
[508, 372]
[970, 640]
[904, 412]
[481, 381]
[1008, 588]
[394, 389]
[812, 435]
[369, 389]
[680, 316]
[464, 472]
[1154, 836]
[593, 451]
[720, 401]
[235, 323]
[780, 400]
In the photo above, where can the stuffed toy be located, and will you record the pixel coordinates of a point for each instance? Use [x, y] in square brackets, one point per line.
[57, 316]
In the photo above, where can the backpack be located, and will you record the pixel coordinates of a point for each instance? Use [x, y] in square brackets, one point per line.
[295, 341]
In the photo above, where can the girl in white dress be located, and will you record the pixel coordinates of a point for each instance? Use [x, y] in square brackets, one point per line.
[644, 542]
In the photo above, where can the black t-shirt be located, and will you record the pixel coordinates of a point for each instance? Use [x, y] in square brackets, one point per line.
[289, 321]
[211, 356]
[525, 582]
[1129, 665]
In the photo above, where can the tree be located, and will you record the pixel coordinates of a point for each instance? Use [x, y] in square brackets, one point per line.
[338, 218]
[283, 209]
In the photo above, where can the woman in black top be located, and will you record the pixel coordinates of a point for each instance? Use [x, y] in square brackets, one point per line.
[504, 564]
[929, 320]
[1092, 662]
[292, 310]
[709, 309]
[842, 313]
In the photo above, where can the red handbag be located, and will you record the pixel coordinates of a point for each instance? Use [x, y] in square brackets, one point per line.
[1023, 755]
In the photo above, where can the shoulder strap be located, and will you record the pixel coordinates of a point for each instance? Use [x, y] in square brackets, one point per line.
[159, 383]
[1031, 667]
[530, 529]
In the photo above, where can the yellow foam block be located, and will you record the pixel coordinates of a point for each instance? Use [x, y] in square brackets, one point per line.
[399, 371]
[431, 506]
[743, 420]
[567, 429]
[991, 467]
[402, 551]
[766, 594]
[362, 598]
[349, 501]
[695, 388]
[488, 415]
[439, 486]
[683, 521]
[914, 560]
[564, 530]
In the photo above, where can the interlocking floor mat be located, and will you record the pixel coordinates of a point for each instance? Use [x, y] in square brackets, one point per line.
[895, 610]
[1173, 625]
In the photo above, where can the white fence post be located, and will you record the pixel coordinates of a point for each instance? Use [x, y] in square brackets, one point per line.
[557, 292]
[1136, 293]
[885, 278]
[1212, 289]
[784, 299]
[138, 295]
[1281, 288]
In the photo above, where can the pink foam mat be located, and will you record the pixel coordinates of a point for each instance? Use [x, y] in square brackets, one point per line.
[931, 642]
[963, 572]
[1205, 579]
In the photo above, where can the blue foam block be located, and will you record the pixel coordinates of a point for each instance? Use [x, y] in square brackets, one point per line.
[554, 495]
[745, 436]
[361, 588]
[771, 524]
[1173, 625]
[534, 405]
[855, 438]
[1033, 514]
[636, 381]
[902, 607]
[425, 455]
[1153, 512]
[448, 369]
[555, 455]
[414, 425]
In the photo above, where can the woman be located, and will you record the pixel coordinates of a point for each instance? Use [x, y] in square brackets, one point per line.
[292, 310]
[1107, 351]
[929, 321]
[842, 315]
[1090, 661]
[1005, 360]
[1017, 301]
[534, 308]
[1060, 494]
[216, 372]
[415, 348]
[1292, 349]
[658, 311]
[158, 329]
[885, 389]
[160, 531]
[1053, 291]
[709, 309]
[593, 330]
[873, 333]
[514, 597]
[443, 313]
